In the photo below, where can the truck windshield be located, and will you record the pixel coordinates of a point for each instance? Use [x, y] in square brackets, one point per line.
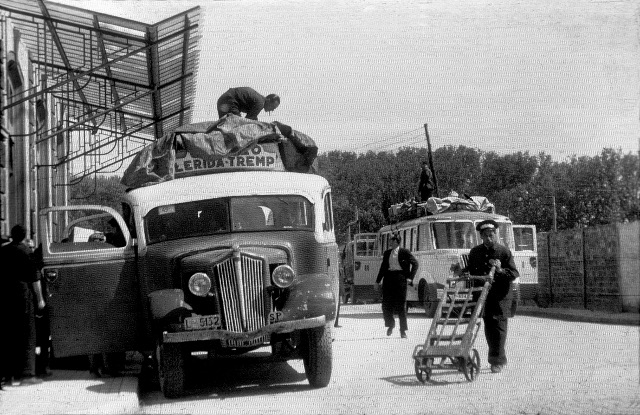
[235, 214]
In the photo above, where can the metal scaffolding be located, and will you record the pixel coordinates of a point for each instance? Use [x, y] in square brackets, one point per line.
[117, 84]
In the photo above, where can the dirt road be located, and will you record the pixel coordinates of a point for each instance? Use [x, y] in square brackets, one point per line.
[555, 367]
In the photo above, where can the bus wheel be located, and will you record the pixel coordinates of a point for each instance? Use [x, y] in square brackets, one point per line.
[171, 368]
[317, 355]
[428, 297]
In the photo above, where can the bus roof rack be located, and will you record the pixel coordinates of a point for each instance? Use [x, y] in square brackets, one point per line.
[410, 209]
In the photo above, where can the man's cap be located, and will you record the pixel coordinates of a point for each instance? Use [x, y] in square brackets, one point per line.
[487, 224]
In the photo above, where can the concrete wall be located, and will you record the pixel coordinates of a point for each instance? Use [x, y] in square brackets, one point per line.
[566, 272]
[629, 265]
[596, 268]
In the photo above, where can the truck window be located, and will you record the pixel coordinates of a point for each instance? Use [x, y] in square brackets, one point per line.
[89, 229]
[453, 235]
[328, 209]
[235, 214]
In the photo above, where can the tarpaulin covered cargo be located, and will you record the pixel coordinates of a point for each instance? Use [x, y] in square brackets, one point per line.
[454, 203]
[230, 143]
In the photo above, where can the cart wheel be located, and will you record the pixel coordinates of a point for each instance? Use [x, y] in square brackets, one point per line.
[472, 366]
[423, 369]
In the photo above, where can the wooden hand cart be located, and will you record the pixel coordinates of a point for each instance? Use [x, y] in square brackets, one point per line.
[454, 329]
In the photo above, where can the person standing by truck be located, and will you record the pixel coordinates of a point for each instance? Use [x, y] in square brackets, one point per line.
[497, 308]
[19, 284]
[247, 100]
[396, 272]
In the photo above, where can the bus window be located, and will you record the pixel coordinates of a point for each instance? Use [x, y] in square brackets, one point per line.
[422, 237]
[453, 235]
[524, 239]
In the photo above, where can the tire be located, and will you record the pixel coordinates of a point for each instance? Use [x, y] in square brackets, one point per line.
[318, 355]
[171, 368]
[428, 297]
[471, 367]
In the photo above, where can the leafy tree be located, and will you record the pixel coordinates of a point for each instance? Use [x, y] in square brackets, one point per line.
[587, 190]
[99, 190]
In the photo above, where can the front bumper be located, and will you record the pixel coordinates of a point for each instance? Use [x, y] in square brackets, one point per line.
[281, 327]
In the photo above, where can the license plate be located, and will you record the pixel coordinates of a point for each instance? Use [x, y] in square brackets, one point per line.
[245, 343]
[463, 297]
[202, 322]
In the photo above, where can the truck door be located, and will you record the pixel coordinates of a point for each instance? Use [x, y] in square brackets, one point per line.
[526, 258]
[90, 276]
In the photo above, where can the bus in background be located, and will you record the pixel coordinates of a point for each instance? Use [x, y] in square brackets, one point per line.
[361, 262]
[439, 242]
[526, 259]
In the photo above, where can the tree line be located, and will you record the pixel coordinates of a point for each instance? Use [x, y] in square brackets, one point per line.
[587, 190]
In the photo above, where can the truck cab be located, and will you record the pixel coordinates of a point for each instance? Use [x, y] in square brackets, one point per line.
[223, 263]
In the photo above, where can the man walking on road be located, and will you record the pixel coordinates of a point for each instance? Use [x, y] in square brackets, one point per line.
[396, 272]
[247, 100]
[497, 307]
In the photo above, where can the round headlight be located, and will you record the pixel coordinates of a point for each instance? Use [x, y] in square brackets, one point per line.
[200, 284]
[283, 276]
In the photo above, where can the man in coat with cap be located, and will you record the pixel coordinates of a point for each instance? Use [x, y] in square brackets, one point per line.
[396, 272]
[497, 307]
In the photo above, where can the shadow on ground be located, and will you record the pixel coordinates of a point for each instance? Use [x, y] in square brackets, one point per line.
[233, 377]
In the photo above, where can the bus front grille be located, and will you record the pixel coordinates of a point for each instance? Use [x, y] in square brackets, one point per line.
[241, 284]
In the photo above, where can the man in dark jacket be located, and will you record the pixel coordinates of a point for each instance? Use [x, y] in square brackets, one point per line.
[247, 100]
[396, 272]
[19, 283]
[497, 307]
[426, 185]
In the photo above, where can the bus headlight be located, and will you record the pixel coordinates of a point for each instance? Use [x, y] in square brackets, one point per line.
[283, 276]
[200, 284]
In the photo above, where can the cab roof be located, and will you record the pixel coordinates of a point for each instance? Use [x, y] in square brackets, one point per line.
[248, 183]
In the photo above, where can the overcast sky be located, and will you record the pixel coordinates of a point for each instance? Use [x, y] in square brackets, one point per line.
[559, 76]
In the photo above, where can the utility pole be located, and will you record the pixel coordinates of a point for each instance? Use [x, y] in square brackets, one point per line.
[555, 213]
[433, 171]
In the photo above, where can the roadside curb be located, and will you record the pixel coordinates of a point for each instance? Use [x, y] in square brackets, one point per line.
[586, 316]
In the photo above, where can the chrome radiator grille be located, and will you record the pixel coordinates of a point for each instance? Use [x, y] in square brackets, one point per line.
[242, 292]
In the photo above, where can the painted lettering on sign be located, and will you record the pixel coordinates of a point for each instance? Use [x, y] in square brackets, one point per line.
[258, 157]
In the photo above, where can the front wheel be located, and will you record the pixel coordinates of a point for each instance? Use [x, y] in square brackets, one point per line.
[318, 355]
[171, 368]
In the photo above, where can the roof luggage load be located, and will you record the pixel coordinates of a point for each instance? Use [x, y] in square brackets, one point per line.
[228, 144]
[410, 209]
[453, 203]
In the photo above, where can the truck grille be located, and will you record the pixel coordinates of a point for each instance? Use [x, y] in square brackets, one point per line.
[241, 284]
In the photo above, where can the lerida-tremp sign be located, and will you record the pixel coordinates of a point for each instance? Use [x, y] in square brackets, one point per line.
[258, 157]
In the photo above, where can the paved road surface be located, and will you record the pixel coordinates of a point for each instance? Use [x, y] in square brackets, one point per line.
[555, 367]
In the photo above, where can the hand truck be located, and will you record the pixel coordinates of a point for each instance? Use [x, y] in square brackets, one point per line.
[454, 329]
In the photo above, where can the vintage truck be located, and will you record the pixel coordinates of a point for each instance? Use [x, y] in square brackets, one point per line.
[232, 255]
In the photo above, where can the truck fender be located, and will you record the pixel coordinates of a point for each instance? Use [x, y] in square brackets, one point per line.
[311, 296]
[163, 302]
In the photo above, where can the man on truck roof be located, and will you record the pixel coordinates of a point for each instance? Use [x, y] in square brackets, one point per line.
[247, 100]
